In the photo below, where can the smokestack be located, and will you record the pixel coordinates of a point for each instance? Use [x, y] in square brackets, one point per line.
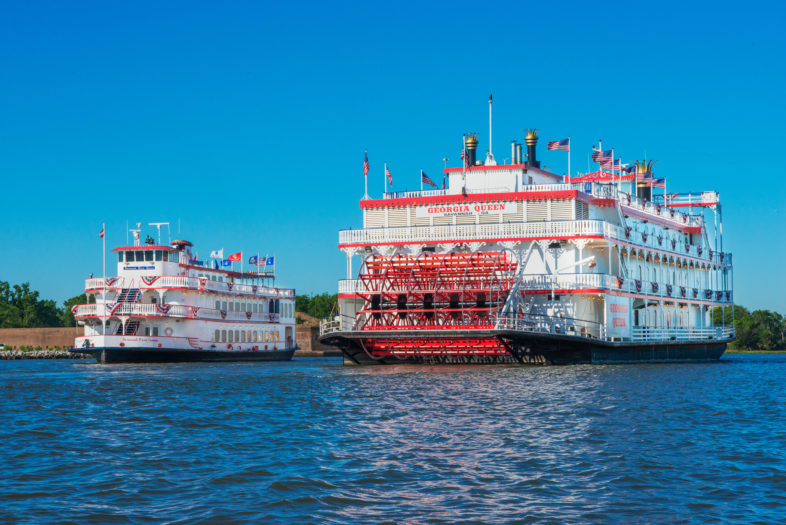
[518, 154]
[643, 174]
[532, 139]
[513, 152]
[472, 146]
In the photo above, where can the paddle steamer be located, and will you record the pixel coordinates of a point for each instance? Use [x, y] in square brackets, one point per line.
[164, 305]
[512, 263]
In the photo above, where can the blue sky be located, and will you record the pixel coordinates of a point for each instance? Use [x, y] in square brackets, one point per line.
[247, 121]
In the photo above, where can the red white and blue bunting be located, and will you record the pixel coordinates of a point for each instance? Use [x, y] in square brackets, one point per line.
[163, 308]
[150, 279]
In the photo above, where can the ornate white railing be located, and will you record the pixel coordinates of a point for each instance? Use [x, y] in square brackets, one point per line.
[601, 281]
[191, 283]
[551, 325]
[170, 310]
[682, 334]
[470, 232]
[336, 323]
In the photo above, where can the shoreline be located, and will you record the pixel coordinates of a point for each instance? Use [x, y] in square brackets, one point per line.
[12, 355]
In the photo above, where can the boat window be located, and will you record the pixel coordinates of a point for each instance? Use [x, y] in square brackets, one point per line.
[237, 306]
[165, 254]
[147, 330]
[231, 306]
[254, 308]
[217, 336]
[148, 255]
[140, 256]
[119, 256]
[277, 306]
[242, 337]
[231, 337]
[155, 331]
[237, 335]
[256, 336]
[218, 305]
[249, 336]
[225, 305]
[158, 255]
[224, 336]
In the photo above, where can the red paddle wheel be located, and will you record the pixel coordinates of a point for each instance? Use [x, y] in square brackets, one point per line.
[453, 292]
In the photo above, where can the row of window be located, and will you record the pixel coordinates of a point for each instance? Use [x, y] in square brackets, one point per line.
[142, 256]
[274, 306]
[246, 336]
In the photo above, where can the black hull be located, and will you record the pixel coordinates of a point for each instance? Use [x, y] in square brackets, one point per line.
[537, 348]
[174, 355]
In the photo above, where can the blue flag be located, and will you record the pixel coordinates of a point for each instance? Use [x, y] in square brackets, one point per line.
[269, 261]
[253, 260]
[226, 263]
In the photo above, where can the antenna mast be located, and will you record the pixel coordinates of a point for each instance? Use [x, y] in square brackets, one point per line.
[490, 151]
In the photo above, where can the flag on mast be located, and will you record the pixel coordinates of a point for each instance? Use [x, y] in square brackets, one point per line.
[388, 175]
[101, 233]
[217, 254]
[426, 180]
[365, 164]
[563, 145]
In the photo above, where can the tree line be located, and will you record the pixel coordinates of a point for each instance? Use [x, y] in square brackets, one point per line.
[756, 330]
[21, 307]
[318, 306]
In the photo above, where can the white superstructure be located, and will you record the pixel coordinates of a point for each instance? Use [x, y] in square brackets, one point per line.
[160, 298]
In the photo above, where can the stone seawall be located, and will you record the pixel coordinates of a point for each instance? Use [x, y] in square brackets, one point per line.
[46, 338]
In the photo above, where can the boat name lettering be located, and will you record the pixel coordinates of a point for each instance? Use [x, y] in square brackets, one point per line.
[465, 209]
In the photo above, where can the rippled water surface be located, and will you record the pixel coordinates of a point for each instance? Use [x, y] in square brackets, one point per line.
[310, 441]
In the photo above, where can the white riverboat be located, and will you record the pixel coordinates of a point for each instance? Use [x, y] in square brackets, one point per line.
[163, 305]
[513, 263]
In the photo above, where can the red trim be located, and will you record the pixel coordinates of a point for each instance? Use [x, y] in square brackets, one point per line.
[127, 248]
[472, 240]
[201, 320]
[691, 205]
[507, 167]
[469, 198]
[673, 224]
[602, 176]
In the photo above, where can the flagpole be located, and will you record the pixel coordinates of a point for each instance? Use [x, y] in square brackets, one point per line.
[421, 181]
[365, 176]
[103, 254]
[568, 159]
[385, 176]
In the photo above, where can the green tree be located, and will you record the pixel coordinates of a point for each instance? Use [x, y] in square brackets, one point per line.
[66, 317]
[318, 306]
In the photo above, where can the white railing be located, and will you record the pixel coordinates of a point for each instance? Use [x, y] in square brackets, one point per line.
[336, 323]
[171, 310]
[469, 232]
[551, 325]
[191, 283]
[575, 281]
[682, 334]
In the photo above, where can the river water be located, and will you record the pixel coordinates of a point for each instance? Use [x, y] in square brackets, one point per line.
[311, 441]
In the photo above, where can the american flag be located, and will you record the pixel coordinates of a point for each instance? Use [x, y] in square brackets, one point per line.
[597, 156]
[563, 145]
[101, 233]
[659, 183]
[388, 175]
[365, 164]
[424, 178]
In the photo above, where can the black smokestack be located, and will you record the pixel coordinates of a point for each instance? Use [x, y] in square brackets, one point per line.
[472, 147]
[532, 140]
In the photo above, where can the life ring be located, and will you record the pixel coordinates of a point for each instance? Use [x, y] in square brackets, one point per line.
[168, 331]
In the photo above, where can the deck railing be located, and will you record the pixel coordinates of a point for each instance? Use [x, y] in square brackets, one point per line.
[592, 281]
[190, 283]
[486, 231]
[100, 310]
